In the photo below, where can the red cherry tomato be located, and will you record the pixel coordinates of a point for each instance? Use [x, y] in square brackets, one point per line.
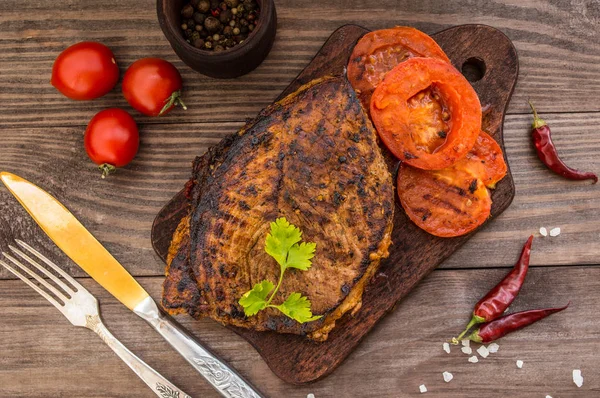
[85, 71]
[111, 139]
[153, 86]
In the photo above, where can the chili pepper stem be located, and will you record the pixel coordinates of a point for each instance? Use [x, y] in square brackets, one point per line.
[174, 99]
[537, 121]
[475, 336]
[474, 321]
[106, 169]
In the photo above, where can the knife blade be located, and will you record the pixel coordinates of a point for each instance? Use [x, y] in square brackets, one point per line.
[75, 241]
[87, 252]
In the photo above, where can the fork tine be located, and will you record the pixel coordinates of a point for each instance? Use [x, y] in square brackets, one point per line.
[32, 285]
[43, 270]
[47, 261]
[38, 278]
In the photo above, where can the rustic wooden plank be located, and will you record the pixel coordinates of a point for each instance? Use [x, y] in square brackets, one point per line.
[120, 209]
[558, 45]
[401, 353]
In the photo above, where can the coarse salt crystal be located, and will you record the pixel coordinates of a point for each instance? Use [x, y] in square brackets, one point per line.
[548, 396]
[473, 359]
[483, 351]
[577, 378]
[466, 342]
[422, 388]
[311, 395]
[543, 231]
[519, 364]
[493, 348]
[447, 376]
[446, 347]
[466, 350]
[555, 231]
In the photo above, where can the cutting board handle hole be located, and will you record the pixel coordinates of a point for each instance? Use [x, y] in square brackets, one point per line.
[474, 69]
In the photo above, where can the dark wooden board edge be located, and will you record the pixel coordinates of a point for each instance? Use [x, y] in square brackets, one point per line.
[297, 360]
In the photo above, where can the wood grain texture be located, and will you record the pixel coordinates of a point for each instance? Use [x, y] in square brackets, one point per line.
[402, 352]
[413, 253]
[558, 42]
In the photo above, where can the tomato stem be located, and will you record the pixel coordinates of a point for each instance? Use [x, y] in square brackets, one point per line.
[106, 169]
[173, 100]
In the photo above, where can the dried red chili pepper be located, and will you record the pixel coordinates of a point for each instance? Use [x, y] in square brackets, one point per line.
[547, 153]
[493, 304]
[500, 327]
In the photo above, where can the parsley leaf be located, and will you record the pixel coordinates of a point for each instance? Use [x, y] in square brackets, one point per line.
[282, 237]
[283, 244]
[256, 299]
[299, 255]
[297, 307]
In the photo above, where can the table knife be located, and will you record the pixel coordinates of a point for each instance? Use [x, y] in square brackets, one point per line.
[85, 250]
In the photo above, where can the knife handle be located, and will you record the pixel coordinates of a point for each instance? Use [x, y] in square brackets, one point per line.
[222, 377]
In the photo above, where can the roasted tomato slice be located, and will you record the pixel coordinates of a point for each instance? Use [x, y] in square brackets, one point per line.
[426, 113]
[485, 160]
[378, 52]
[453, 201]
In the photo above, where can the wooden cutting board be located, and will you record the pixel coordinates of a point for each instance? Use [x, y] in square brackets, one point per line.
[480, 52]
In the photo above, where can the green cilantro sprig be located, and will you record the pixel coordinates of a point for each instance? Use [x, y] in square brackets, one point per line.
[283, 244]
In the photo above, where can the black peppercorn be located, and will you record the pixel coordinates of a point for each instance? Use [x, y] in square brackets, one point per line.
[187, 11]
[198, 43]
[188, 33]
[232, 3]
[214, 4]
[194, 3]
[199, 18]
[244, 29]
[204, 6]
[212, 24]
[223, 6]
[249, 5]
[225, 17]
[228, 31]
[243, 22]
[190, 24]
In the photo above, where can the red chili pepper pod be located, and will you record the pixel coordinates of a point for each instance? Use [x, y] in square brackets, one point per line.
[493, 304]
[500, 327]
[546, 151]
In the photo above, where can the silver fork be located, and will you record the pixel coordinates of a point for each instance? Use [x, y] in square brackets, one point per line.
[80, 307]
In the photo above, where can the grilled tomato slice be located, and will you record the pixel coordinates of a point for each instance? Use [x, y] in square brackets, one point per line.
[453, 201]
[426, 113]
[378, 52]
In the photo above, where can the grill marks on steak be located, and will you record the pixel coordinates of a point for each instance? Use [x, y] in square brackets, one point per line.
[312, 158]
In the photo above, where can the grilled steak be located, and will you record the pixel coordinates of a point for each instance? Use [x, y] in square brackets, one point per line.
[312, 158]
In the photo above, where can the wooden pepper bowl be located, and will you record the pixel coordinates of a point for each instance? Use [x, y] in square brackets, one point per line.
[236, 61]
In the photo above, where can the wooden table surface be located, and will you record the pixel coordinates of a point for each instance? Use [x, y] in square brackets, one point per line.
[41, 136]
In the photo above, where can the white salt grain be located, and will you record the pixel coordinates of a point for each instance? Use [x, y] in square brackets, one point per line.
[447, 376]
[493, 348]
[466, 342]
[466, 350]
[555, 231]
[446, 347]
[548, 396]
[577, 378]
[473, 359]
[543, 231]
[422, 388]
[519, 364]
[310, 396]
[483, 351]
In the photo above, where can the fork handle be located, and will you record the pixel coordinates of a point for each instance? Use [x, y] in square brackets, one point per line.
[222, 377]
[157, 383]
